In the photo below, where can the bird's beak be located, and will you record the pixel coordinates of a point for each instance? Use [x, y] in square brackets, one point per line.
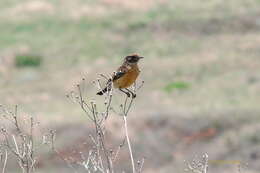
[140, 57]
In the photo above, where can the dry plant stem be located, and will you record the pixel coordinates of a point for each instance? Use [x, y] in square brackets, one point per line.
[83, 103]
[101, 159]
[93, 116]
[100, 135]
[7, 144]
[198, 165]
[20, 144]
[32, 143]
[108, 105]
[205, 160]
[141, 166]
[129, 144]
[5, 162]
[15, 119]
[126, 109]
[109, 95]
[118, 150]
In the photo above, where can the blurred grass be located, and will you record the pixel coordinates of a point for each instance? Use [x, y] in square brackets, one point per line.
[28, 60]
[201, 40]
[169, 27]
[179, 85]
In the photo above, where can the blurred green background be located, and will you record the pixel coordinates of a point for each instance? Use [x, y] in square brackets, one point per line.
[201, 73]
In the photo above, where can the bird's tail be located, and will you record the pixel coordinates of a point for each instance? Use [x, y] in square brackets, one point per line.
[107, 88]
[102, 91]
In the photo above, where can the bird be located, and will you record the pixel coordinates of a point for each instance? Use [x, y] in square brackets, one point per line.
[125, 76]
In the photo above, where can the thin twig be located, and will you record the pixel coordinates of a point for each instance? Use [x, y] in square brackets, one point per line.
[15, 119]
[118, 150]
[5, 162]
[141, 164]
[82, 103]
[205, 163]
[32, 159]
[129, 144]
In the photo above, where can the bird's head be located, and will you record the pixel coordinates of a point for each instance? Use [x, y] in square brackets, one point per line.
[132, 59]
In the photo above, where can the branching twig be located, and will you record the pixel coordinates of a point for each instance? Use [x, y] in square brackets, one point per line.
[19, 143]
[140, 164]
[198, 166]
[100, 157]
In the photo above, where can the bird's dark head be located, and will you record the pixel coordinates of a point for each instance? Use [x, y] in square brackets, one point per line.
[133, 59]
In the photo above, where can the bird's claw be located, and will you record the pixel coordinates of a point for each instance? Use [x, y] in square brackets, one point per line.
[128, 94]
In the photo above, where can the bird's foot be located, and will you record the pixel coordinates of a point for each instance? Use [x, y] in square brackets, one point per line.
[128, 94]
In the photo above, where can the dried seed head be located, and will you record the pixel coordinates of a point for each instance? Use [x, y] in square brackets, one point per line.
[3, 130]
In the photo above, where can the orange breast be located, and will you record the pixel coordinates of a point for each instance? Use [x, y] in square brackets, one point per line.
[128, 79]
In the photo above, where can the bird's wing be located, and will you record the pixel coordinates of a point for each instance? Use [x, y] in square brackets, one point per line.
[120, 73]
